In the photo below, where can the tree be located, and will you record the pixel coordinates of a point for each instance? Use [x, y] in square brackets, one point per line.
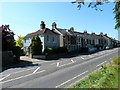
[19, 41]
[117, 14]
[36, 46]
[7, 38]
[94, 4]
[8, 41]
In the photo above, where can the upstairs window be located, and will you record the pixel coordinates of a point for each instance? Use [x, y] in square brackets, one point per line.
[53, 39]
[25, 40]
[47, 38]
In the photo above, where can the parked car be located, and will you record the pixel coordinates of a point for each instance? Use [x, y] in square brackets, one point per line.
[107, 47]
[92, 49]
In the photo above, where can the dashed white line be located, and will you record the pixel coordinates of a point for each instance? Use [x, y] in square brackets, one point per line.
[72, 60]
[100, 64]
[36, 70]
[65, 64]
[58, 64]
[90, 55]
[21, 77]
[71, 79]
[82, 57]
[22, 70]
[4, 77]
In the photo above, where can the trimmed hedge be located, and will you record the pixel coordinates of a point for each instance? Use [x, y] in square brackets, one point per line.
[51, 51]
[84, 49]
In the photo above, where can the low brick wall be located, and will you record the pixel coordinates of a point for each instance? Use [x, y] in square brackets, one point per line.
[7, 58]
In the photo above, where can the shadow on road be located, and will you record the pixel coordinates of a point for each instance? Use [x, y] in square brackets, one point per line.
[20, 64]
[68, 55]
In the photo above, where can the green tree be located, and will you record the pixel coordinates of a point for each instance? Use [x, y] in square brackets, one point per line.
[7, 38]
[8, 41]
[19, 41]
[32, 46]
[36, 46]
[117, 14]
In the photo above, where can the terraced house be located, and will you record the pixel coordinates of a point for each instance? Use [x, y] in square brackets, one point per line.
[69, 38]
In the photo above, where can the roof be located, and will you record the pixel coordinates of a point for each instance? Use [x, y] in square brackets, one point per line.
[41, 31]
[63, 31]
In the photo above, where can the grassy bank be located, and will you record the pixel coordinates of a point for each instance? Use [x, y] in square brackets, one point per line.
[106, 77]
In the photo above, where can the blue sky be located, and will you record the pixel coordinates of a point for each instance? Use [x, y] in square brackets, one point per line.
[25, 17]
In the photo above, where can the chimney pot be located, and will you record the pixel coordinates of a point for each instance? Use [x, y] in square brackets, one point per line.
[54, 25]
[42, 25]
[72, 29]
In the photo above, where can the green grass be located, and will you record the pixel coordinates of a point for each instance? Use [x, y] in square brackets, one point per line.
[106, 77]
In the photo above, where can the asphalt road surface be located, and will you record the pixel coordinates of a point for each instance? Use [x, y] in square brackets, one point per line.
[56, 73]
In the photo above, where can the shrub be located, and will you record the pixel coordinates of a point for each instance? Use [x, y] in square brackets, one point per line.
[61, 50]
[97, 46]
[25, 52]
[49, 51]
[36, 46]
[84, 49]
[16, 51]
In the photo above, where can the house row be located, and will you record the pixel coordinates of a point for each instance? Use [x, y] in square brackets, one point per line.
[69, 38]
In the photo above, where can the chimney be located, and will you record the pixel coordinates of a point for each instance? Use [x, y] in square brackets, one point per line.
[93, 33]
[54, 25]
[42, 25]
[106, 34]
[85, 31]
[101, 33]
[72, 29]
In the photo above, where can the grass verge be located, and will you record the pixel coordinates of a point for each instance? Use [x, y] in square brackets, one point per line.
[106, 77]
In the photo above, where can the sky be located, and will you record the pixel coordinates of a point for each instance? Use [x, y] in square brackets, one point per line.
[25, 17]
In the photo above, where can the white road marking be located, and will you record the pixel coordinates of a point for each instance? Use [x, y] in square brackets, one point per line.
[22, 71]
[100, 64]
[21, 77]
[71, 79]
[82, 57]
[90, 55]
[65, 64]
[4, 77]
[72, 60]
[58, 64]
[36, 70]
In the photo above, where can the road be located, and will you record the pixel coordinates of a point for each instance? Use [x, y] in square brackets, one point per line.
[56, 73]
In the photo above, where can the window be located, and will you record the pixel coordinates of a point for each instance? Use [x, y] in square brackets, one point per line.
[79, 39]
[25, 40]
[47, 38]
[53, 39]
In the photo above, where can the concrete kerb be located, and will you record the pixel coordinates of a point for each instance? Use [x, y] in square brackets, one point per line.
[26, 58]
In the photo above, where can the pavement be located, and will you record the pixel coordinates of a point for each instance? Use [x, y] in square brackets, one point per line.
[59, 73]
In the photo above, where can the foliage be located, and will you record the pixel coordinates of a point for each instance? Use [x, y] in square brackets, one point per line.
[106, 77]
[49, 51]
[17, 52]
[117, 14]
[97, 46]
[84, 49]
[7, 38]
[36, 46]
[61, 50]
[19, 41]
[92, 4]
[8, 42]
[95, 3]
